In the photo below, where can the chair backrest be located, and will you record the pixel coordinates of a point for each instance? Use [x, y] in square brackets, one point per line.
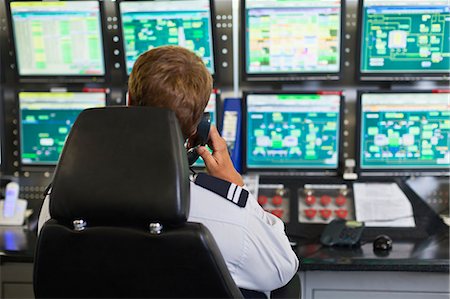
[122, 176]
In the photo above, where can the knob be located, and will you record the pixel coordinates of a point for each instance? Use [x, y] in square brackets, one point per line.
[278, 212]
[277, 200]
[325, 213]
[325, 200]
[310, 213]
[341, 213]
[262, 200]
[310, 200]
[340, 200]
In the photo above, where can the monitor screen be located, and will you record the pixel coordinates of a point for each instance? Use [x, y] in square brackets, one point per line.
[291, 36]
[58, 38]
[46, 119]
[296, 131]
[212, 109]
[401, 36]
[405, 131]
[149, 24]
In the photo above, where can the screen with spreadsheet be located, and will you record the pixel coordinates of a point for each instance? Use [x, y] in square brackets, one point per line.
[46, 119]
[405, 130]
[296, 131]
[149, 24]
[405, 36]
[58, 38]
[287, 36]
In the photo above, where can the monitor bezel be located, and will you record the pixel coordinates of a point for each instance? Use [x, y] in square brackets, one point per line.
[213, 37]
[46, 166]
[38, 78]
[390, 171]
[287, 77]
[386, 76]
[298, 170]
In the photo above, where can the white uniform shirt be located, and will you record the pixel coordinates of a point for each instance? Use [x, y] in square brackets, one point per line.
[253, 242]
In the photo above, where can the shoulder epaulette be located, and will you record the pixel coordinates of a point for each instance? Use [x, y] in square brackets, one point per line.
[227, 190]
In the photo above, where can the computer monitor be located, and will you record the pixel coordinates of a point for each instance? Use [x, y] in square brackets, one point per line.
[404, 131]
[46, 119]
[404, 40]
[58, 38]
[285, 132]
[285, 40]
[149, 24]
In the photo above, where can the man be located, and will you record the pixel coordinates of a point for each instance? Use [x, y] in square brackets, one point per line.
[252, 241]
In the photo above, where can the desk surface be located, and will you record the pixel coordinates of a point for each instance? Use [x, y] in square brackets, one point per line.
[425, 255]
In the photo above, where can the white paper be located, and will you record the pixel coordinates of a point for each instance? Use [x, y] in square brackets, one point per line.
[382, 204]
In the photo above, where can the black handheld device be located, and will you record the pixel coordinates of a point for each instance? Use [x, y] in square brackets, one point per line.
[201, 137]
[342, 233]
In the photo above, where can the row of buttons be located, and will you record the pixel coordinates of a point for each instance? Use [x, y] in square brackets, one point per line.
[326, 213]
[325, 200]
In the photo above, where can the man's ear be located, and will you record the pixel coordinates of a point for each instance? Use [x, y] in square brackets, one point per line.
[191, 139]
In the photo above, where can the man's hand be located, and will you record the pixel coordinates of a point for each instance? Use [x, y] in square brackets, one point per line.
[219, 163]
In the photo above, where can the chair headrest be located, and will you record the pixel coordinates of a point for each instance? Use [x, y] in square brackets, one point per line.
[123, 166]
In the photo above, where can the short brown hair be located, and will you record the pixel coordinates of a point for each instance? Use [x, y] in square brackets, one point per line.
[175, 78]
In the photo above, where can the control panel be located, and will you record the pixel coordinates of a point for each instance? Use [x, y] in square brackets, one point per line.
[321, 203]
[275, 199]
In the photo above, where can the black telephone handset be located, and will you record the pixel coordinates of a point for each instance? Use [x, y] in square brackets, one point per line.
[201, 137]
[342, 233]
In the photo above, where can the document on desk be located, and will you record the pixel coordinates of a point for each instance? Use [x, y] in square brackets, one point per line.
[382, 204]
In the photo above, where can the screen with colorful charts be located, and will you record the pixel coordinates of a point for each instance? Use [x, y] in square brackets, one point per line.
[212, 109]
[405, 36]
[286, 36]
[405, 131]
[149, 24]
[58, 38]
[296, 131]
[46, 119]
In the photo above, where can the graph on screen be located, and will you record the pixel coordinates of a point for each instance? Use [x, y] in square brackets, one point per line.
[292, 36]
[46, 119]
[405, 35]
[405, 130]
[292, 131]
[58, 38]
[150, 24]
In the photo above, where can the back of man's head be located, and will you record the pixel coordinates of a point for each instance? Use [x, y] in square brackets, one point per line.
[175, 78]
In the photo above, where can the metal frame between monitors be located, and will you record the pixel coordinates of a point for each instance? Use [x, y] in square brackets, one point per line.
[61, 78]
[287, 77]
[381, 76]
[40, 167]
[444, 171]
[292, 171]
[213, 37]
[2, 132]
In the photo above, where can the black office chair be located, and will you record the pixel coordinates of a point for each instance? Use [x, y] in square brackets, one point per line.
[119, 203]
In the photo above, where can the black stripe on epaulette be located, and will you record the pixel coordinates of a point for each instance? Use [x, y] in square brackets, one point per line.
[227, 190]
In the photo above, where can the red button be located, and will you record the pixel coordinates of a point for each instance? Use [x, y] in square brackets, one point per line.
[341, 200]
[310, 213]
[278, 212]
[341, 213]
[262, 200]
[277, 200]
[325, 213]
[310, 200]
[325, 200]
